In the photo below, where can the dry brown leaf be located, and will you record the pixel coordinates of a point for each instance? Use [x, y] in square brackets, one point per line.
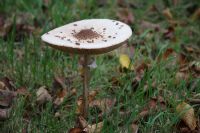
[180, 76]
[182, 60]
[114, 81]
[187, 115]
[73, 91]
[144, 113]
[167, 13]
[185, 130]
[105, 104]
[194, 68]
[57, 115]
[6, 98]
[80, 107]
[58, 101]
[134, 128]
[196, 14]
[157, 103]
[141, 67]
[59, 83]
[83, 123]
[79, 102]
[9, 85]
[92, 95]
[23, 91]
[2, 85]
[170, 34]
[5, 27]
[62, 94]
[95, 128]
[75, 130]
[43, 95]
[167, 53]
[4, 114]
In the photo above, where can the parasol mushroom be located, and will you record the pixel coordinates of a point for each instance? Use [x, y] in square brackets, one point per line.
[88, 37]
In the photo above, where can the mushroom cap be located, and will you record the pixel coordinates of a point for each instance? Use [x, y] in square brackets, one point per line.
[90, 36]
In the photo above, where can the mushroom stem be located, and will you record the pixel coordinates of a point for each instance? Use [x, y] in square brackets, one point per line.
[85, 85]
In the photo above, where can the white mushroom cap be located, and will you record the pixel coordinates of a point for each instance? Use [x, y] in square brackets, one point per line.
[91, 36]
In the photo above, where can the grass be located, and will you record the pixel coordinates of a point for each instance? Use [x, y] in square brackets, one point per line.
[39, 64]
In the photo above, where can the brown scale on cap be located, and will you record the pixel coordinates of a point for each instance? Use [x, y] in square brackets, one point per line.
[87, 34]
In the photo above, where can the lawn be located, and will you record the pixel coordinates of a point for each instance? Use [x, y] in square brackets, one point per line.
[151, 84]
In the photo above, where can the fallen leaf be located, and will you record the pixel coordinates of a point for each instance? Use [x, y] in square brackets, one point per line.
[144, 113]
[185, 130]
[105, 104]
[141, 67]
[63, 94]
[124, 61]
[170, 34]
[167, 13]
[6, 98]
[58, 101]
[59, 83]
[95, 128]
[182, 60]
[157, 103]
[43, 95]
[57, 115]
[115, 81]
[5, 27]
[187, 115]
[4, 114]
[192, 51]
[193, 101]
[181, 76]
[194, 68]
[92, 95]
[167, 53]
[83, 123]
[23, 91]
[8, 83]
[79, 102]
[75, 130]
[196, 14]
[134, 128]
[2, 85]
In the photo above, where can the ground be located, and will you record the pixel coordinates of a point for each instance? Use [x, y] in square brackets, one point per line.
[145, 85]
